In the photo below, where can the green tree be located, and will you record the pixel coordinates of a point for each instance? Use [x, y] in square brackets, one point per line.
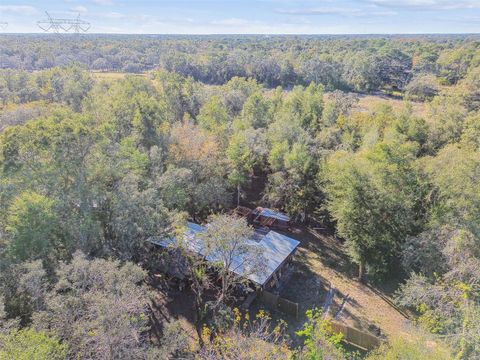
[423, 87]
[53, 156]
[255, 112]
[228, 241]
[68, 85]
[445, 296]
[293, 185]
[149, 121]
[244, 152]
[214, 117]
[307, 105]
[31, 227]
[320, 341]
[418, 348]
[99, 307]
[454, 63]
[375, 198]
[471, 132]
[469, 90]
[28, 344]
[455, 174]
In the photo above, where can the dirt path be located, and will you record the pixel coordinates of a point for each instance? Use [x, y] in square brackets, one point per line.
[367, 306]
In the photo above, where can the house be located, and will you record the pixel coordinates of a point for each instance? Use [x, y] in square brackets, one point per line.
[277, 250]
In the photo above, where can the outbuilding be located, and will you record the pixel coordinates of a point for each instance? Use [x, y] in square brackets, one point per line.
[270, 218]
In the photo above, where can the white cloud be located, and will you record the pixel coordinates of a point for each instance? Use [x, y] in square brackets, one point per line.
[80, 9]
[231, 22]
[349, 12]
[103, 2]
[115, 15]
[18, 9]
[429, 4]
[319, 11]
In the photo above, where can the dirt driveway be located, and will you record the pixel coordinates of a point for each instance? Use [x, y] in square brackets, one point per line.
[320, 263]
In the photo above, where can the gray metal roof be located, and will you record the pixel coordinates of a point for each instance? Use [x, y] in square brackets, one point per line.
[274, 214]
[275, 248]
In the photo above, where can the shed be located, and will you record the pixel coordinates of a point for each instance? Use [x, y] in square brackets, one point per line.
[270, 218]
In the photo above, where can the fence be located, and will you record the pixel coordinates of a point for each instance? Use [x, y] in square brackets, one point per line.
[277, 302]
[356, 337]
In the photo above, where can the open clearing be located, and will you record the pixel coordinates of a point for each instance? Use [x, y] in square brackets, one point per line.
[367, 306]
[113, 76]
[369, 102]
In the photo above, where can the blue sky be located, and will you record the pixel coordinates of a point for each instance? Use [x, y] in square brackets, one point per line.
[252, 16]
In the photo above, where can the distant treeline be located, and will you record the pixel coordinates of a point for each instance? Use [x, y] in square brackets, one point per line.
[354, 63]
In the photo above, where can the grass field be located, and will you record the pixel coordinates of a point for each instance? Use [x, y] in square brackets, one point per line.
[113, 76]
[369, 102]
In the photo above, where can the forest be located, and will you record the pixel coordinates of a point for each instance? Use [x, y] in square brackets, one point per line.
[109, 141]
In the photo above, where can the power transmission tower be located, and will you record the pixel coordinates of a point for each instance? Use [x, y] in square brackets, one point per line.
[63, 25]
[3, 25]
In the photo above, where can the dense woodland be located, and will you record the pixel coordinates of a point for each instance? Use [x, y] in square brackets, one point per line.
[92, 167]
[355, 63]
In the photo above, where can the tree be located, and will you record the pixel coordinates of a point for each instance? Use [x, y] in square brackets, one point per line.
[236, 91]
[149, 121]
[228, 241]
[419, 348]
[24, 288]
[447, 300]
[213, 117]
[454, 63]
[255, 339]
[174, 344]
[469, 90]
[28, 344]
[293, 185]
[68, 85]
[446, 114]
[323, 70]
[338, 104]
[457, 198]
[423, 87]
[375, 199]
[245, 150]
[306, 104]
[181, 262]
[176, 189]
[393, 67]
[195, 149]
[99, 307]
[53, 157]
[361, 73]
[136, 213]
[255, 113]
[31, 227]
[179, 93]
[320, 341]
[471, 132]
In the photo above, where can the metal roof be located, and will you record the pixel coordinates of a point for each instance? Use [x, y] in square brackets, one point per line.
[275, 247]
[274, 214]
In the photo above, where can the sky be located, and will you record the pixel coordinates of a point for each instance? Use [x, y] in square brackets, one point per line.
[251, 16]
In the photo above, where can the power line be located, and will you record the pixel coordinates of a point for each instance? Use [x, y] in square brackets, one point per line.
[57, 25]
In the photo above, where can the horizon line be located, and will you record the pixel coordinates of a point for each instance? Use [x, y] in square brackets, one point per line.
[242, 34]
